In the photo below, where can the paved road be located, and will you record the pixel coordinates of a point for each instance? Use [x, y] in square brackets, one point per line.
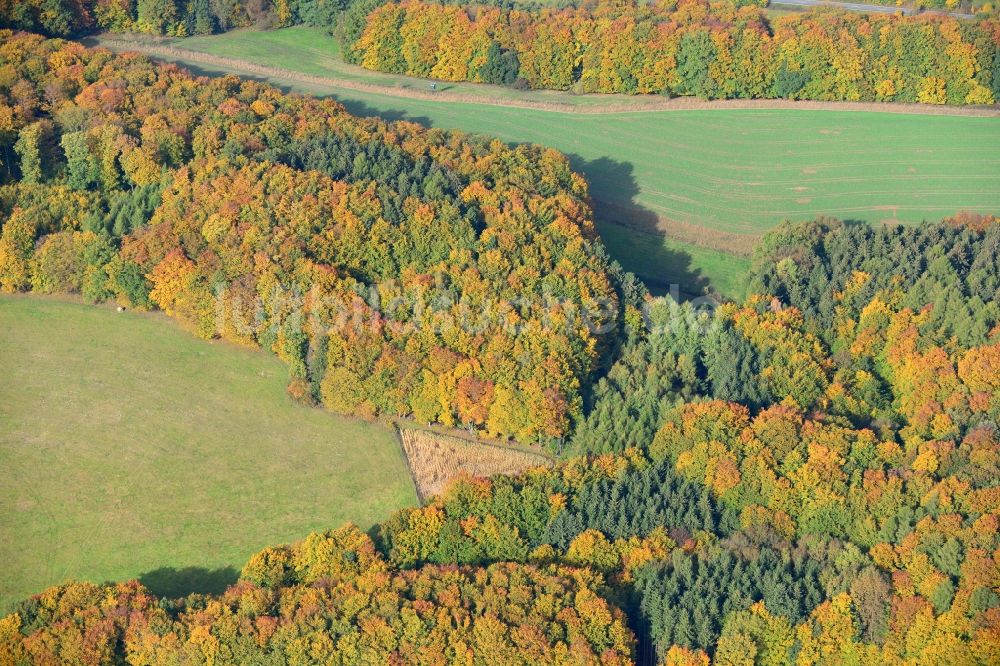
[861, 7]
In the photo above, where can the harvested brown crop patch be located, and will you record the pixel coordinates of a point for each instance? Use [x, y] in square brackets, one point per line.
[436, 459]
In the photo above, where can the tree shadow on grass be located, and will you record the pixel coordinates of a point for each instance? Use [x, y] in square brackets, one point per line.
[354, 106]
[632, 233]
[174, 583]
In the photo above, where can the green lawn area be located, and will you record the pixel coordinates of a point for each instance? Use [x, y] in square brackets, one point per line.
[132, 449]
[737, 171]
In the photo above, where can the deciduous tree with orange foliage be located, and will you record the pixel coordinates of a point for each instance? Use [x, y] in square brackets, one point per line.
[694, 47]
[395, 270]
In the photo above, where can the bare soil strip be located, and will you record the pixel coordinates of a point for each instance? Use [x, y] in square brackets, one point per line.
[647, 103]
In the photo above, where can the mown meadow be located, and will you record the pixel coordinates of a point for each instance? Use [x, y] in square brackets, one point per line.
[131, 449]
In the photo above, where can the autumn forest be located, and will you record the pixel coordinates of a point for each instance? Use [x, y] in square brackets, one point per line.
[808, 475]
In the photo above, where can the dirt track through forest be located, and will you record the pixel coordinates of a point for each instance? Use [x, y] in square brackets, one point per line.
[870, 9]
[646, 104]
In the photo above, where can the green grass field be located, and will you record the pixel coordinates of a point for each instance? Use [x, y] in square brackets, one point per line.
[132, 449]
[686, 175]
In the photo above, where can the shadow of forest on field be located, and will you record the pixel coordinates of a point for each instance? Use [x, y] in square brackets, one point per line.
[632, 233]
[175, 583]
